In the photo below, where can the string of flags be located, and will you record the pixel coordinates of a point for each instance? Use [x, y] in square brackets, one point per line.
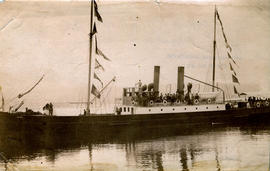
[96, 77]
[235, 80]
[230, 57]
[232, 69]
[95, 91]
[99, 18]
[98, 52]
[94, 30]
[225, 38]
[235, 90]
[229, 50]
[98, 65]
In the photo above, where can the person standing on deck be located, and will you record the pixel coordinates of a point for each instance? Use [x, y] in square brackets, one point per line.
[50, 109]
[139, 84]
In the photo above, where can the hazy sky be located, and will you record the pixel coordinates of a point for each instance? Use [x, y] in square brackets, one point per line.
[51, 38]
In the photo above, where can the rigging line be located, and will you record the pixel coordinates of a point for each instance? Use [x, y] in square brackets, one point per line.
[220, 66]
[5, 25]
[228, 62]
[105, 96]
[194, 79]
[158, 3]
[109, 92]
[21, 95]
[207, 74]
[223, 74]
[28, 91]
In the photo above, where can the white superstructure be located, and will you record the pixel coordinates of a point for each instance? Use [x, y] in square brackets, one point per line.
[138, 110]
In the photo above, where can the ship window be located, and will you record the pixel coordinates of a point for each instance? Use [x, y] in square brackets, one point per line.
[161, 109]
[128, 109]
[206, 107]
[173, 109]
[217, 106]
[196, 108]
[185, 108]
[124, 109]
[149, 110]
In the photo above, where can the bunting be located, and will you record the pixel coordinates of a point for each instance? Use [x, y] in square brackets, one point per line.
[94, 31]
[99, 18]
[235, 90]
[229, 50]
[234, 79]
[98, 65]
[96, 77]
[223, 32]
[229, 56]
[231, 68]
[99, 52]
[95, 91]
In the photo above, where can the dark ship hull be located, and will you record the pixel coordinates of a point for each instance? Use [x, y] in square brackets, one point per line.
[38, 123]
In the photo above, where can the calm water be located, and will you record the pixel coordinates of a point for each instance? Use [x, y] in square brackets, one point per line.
[217, 147]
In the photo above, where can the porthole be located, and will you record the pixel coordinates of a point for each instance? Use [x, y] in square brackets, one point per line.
[161, 109]
[217, 106]
[185, 108]
[196, 108]
[206, 107]
[173, 109]
[149, 110]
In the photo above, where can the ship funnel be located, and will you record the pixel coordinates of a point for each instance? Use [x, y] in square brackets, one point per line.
[156, 78]
[180, 80]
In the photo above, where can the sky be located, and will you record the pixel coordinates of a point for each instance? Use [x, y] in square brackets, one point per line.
[51, 38]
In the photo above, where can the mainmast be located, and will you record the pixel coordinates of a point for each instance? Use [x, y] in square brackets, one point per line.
[214, 51]
[90, 59]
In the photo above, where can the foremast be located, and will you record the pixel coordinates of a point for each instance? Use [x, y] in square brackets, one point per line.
[90, 58]
[92, 89]
[214, 51]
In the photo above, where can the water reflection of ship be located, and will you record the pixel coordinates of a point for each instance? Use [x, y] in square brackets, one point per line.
[146, 147]
[149, 156]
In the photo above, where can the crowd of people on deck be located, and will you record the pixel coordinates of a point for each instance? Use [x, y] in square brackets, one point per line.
[258, 101]
[144, 98]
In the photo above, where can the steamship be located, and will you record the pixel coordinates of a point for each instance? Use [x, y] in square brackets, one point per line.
[145, 105]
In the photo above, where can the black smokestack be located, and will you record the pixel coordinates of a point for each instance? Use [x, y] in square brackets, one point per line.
[156, 78]
[180, 80]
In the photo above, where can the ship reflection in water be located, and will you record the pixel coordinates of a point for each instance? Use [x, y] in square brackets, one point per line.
[218, 147]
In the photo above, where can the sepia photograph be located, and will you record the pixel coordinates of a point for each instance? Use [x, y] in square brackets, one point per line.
[135, 85]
